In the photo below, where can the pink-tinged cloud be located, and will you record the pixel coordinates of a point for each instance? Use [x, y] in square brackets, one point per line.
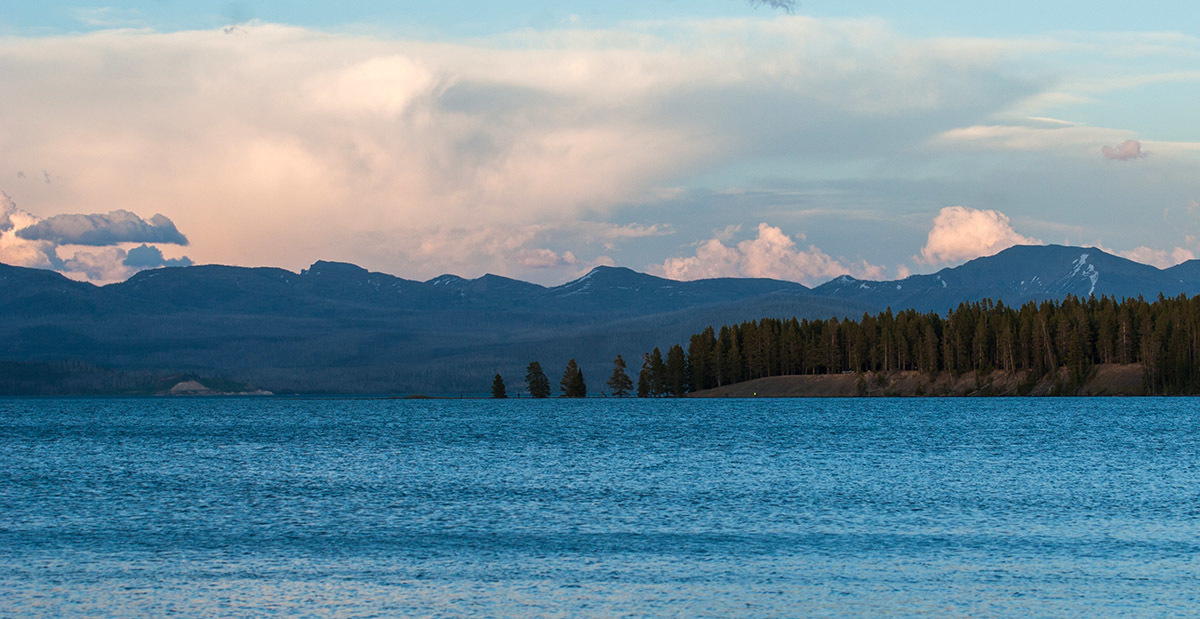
[107, 265]
[960, 233]
[1125, 151]
[1160, 258]
[281, 145]
[771, 254]
[17, 251]
[545, 258]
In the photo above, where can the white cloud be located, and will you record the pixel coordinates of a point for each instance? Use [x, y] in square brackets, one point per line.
[772, 254]
[960, 233]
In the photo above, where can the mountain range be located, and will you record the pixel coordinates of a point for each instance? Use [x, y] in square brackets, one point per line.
[336, 327]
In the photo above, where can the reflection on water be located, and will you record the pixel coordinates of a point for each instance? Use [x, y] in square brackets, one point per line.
[689, 508]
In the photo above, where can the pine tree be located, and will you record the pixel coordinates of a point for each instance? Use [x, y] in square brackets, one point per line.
[619, 381]
[658, 374]
[572, 384]
[498, 391]
[676, 371]
[535, 379]
[644, 378]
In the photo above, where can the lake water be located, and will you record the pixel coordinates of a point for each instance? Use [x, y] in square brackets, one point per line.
[1012, 507]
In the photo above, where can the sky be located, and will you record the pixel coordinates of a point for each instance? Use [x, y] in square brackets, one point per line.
[539, 139]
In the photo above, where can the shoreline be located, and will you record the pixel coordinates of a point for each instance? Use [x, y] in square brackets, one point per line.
[1108, 379]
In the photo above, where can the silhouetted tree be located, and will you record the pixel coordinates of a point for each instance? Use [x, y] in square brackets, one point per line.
[644, 378]
[498, 391]
[619, 381]
[572, 384]
[535, 379]
[658, 373]
[676, 372]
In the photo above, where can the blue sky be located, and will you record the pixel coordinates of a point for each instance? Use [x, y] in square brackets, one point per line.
[539, 139]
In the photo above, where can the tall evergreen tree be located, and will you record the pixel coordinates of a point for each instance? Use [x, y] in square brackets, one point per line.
[676, 371]
[619, 381]
[498, 391]
[658, 374]
[535, 379]
[572, 384]
[645, 379]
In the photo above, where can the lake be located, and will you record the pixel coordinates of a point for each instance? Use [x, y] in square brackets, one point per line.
[689, 508]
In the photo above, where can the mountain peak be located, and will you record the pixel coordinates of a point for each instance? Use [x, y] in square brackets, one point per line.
[323, 268]
[446, 279]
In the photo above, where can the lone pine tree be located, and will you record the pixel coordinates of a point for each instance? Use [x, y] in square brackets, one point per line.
[498, 391]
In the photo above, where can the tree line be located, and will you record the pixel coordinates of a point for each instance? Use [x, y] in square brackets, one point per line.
[1067, 337]
[538, 384]
[1062, 339]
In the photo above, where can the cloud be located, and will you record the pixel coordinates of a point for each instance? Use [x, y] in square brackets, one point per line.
[113, 264]
[1129, 149]
[150, 257]
[960, 233]
[545, 258]
[102, 266]
[99, 230]
[316, 138]
[107, 265]
[1158, 257]
[772, 254]
[17, 251]
[282, 145]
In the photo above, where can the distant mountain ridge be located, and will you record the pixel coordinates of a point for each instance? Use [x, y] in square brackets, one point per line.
[337, 327]
[1019, 274]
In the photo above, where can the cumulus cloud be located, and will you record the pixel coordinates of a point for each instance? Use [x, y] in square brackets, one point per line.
[281, 144]
[113, 264]
[772, 254]
[17, 251]
[150, 257]
[320, 138]
[104, 229]
[1129, 149]
[102, 266]
[106, 265]
[961, 233]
